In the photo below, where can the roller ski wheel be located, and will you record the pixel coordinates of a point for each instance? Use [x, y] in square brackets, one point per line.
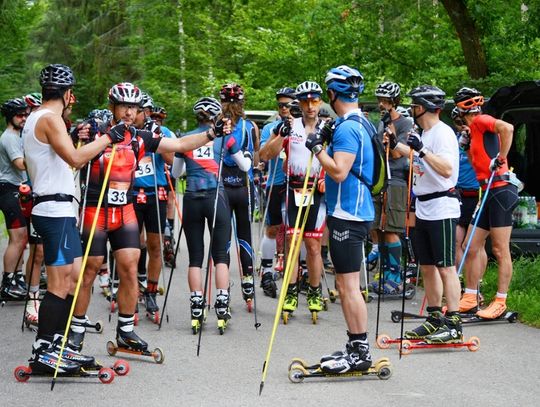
[156, 354]
[161, 290]
[121, 367]
[105, 375]
[285, 315]
[299, 370]
[314, 317]
[383, 341]
[153, 316]
[97, 326]
[333, 296]
[222, 325]
[408, 345]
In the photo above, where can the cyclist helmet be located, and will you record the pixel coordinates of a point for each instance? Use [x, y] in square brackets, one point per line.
[294, 108]
[146, 101]
[33, 100]
[56, 76]
[428, 96]
[403, 111]
[285, 93]
[104, 115]
[231, 92]
[159, 112]
[308, 90]
[389, 90]
[454, 114]
[207, 108]
[468, 100]
[345, 80]
[125, 92]
[13, 107]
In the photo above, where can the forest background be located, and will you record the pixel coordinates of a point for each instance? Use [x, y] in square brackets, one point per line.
[178, 50]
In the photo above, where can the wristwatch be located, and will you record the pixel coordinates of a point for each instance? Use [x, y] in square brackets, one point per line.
[423, 152]
[317, 149]
[210, 136]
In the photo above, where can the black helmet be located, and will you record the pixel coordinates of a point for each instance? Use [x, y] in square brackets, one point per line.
[465, 94]
[147, 101]
[56, 76]
[103, 115]
[285, 93]
[389, 90]
[468, 100]
[431, 97]
[13, 107]
[231, 92]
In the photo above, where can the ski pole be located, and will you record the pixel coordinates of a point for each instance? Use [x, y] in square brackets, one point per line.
[29, 282]
[212, 231]
[250, 251]
[84, 260]
[287, 274]
[407, 225]
[475, 223]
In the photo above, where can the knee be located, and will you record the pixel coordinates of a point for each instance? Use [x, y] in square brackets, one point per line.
[500, 251]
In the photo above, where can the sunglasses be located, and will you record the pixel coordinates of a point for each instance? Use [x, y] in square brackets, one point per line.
[283, 105]
[470, 103]
[313, 101]
[21, 115]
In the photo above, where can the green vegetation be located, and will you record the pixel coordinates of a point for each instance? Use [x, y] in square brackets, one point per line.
[524, 293]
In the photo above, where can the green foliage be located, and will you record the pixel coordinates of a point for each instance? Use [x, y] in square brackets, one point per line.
[180, 50]
[524, 290]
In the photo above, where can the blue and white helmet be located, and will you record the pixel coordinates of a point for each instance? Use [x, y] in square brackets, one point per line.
[345, 80]
[308, 90]
[146, 101]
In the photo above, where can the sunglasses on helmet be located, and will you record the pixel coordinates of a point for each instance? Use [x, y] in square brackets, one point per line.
[470, 103]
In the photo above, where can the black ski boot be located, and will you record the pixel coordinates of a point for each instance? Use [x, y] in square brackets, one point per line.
[433, 322]
[87, 362]
[269, 285]
[449, 332]
[127, 338]
[76, 333]
[45, 357]
[355, 358]
[10, 288]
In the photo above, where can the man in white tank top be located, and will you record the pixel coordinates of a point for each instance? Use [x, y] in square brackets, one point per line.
[49, 154]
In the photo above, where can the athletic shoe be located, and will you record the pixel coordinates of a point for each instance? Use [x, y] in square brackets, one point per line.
[494, 310]
[433, 322]
[468, 303]
[450, 332]
[355, 358]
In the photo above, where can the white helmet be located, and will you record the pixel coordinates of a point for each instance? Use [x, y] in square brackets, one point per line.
[308, 90]
[208, 107]
[125, 92]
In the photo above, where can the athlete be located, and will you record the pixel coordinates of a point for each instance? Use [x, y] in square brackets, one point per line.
[489, 143]
[117, 221]
[12, 174]
[205, 199]
[239, 183]
[275, 192]
[350, 208]
[291, 140]
[435, 168]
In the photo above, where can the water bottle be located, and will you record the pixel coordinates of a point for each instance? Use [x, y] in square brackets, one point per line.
[26, 200]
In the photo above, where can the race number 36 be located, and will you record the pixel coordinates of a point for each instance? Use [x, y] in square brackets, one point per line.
[145, 168]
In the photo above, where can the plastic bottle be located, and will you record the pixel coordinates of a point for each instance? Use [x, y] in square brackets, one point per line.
[25, 200]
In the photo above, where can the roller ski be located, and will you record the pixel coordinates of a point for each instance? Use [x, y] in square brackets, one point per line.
[13, 288]
[223, 312]
[268, 285]
[198, 313]
[466, 318]
[248, 291]
[354, 361]
[152, 309]
[127, 341]
[31, 312]
[316, 302]
[290, 304]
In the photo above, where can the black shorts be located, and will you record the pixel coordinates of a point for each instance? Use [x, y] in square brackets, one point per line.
[316, 217]
[147, 214]
[33, 237]
[435, 242]
[9, 205]
[468, 206]
[498, 208]
[347, 243]
[276, 204]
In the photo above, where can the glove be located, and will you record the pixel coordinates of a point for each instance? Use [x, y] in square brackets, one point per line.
[283, 128]
[314, 142]
[414, 141]
[386, 119]
[327, 131]
[464, 140]
[116, 133]
[392, 139]
[219, 127]
[496, 163]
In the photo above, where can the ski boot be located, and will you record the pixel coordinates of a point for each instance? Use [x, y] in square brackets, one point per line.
[449, 332]
[304, 283]
[130, 342]
[152, 309]
[315, 302]
[86, 362]
[248, 291]
[198, 313]
[104, 282]
[76, 333]
[168, 251]
[19, 279]
[45, 357]
[268, 284]
[355, 358]
[10, 289]
[223, 311]
[291, 302]
[143, 284]
[372, 259]
[32, 310]
[433, 322]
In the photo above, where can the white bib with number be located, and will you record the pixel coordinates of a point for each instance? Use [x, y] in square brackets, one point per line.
[205, 152]
[117, 196]
[146, 167]
[303, 200]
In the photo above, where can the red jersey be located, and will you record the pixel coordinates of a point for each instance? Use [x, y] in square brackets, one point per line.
[128, 153]
[485, 145]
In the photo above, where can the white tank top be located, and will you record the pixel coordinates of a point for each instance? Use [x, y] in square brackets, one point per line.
[48, 172]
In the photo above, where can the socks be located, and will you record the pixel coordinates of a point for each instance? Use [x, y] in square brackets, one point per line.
[50, 313]
[126, 322]
[501, 296]
[471, 291]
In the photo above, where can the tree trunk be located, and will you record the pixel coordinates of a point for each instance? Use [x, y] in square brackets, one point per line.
[473, 51]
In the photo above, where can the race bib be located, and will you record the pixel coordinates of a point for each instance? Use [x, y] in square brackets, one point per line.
[303, 200]
[146, 167]
[204, 153]
[117, 196]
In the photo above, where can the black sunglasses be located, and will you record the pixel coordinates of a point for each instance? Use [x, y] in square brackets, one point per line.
[281, 105]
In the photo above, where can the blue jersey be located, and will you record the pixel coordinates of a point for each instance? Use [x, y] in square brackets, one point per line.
[351, 199]
[279, 173]
[243, 136]
[202, 164]
[151, 170]
[467, 177]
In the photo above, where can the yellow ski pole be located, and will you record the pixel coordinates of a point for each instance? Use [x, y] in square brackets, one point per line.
[287, 275]
[84, 260]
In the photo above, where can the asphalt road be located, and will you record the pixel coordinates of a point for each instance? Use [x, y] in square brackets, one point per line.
[504, 371]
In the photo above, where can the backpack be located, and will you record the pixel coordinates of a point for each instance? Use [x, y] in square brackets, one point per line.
[380, 164]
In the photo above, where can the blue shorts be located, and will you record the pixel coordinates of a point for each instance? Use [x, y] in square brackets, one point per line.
[61, 239]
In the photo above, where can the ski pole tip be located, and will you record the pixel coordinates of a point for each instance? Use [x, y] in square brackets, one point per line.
[261, 387]
[257, 325]
[53, 382]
